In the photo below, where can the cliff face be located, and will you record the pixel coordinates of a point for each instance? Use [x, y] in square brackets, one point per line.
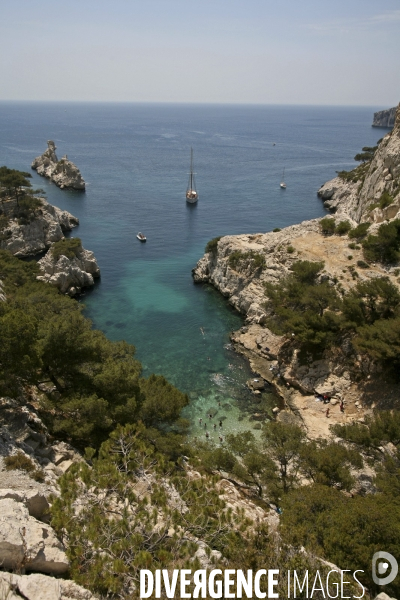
[384, 118]
[36, 232]
[356, 199]
[27, 237]
[63, 172]
[239, 266]
[69, 275]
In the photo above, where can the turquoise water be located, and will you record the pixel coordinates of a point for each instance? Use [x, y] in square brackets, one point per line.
[135, 160]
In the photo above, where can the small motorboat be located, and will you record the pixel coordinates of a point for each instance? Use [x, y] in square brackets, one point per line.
[141, 237]
[283, 184]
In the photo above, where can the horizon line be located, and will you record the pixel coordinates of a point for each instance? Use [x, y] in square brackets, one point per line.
[182, 103]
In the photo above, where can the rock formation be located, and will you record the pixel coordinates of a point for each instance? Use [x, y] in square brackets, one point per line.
[63, 172]
[36, 232]
[384, 118]
[267, 257]
[27, 237]
[27, 541]
[69, 275]
[40, 587]
[355, 199]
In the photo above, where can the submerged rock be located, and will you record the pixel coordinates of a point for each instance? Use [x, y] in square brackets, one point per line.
[63, 172]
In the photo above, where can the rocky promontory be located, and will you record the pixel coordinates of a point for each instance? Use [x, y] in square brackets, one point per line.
[242, 266]
[37, 227]
[384, 118]
[63, 172]
[27, 233]
[356, 195]
[70, 274]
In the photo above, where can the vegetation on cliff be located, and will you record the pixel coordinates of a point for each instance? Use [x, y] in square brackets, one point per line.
[97, 382]
[310, 307]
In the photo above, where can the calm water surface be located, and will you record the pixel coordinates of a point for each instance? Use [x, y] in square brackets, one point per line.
[135, 159]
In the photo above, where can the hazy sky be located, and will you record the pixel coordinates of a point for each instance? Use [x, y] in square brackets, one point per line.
[233, 51]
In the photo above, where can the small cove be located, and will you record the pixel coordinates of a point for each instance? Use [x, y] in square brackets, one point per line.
[135, 159]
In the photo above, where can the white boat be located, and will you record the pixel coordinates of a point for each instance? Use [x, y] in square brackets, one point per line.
[140, 236]
[283, 184]
[191, 193]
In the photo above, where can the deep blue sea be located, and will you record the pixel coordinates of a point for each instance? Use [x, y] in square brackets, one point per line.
[135, 160]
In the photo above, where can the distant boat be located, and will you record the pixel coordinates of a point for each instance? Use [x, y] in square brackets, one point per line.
[140, 236]
[283, 184]
[191, 194]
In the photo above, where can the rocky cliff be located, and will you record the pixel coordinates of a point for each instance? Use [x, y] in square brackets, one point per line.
[69, 275]
[32, 234]
[63, 172]
[384, 118]
[28, 544]
[357, 194]
[239, 267]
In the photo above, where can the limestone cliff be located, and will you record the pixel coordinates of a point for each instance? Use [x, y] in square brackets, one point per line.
[63, 172]
[384, 118]
[27, 541]
[34, 233]
[356, 197]
[69, 275]
[239, 266]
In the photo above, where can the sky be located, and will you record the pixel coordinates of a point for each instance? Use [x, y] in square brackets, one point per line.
[341, 52]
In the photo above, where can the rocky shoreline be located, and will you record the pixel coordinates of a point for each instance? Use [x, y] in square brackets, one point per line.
[29, 235]
[340, 373]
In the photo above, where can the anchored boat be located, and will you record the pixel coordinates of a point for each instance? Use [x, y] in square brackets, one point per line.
[191, 193]
[283, 184]
[141, 237]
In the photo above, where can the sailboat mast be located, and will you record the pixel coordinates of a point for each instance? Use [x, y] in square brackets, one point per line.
[191, 168]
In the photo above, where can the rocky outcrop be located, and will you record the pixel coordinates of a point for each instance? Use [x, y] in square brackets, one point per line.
[69, 275]
[384, 118]
[357, 200]
[27, 541]
[27, 237]
[40, 587]
[63, 172]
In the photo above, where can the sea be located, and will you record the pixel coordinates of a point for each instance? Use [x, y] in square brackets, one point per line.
[135, 159]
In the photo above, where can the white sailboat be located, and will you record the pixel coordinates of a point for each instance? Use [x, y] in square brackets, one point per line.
[191, 193]
[283, 184]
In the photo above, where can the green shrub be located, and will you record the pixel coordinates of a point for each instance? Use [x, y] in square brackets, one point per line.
[385, 200]
[350, 256]
[20, 461]
[328, 225]
[360, 231]
[290, 249]
[277, 229]
[383, 247]
[212, 245]
[69, 247]
[343, 227]
[254, 260]
[362, 264]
